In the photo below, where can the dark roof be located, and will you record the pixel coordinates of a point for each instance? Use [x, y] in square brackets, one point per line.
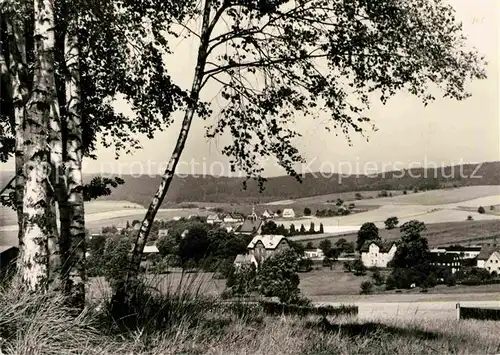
[444, 258]
[384, 245]
[486, 252]
[462, 248]
[250, 226]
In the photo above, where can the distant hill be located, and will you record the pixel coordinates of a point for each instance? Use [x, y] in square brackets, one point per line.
[230, 190]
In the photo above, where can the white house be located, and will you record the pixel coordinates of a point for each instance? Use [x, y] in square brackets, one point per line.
[162, 233]
[377, 253]
[288, 213]
[268, 214]
[233, 218]
[489, 258]
[314, 253]
[263, 246]
[213, 219]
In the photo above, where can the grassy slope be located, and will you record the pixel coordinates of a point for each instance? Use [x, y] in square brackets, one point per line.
[36, 324]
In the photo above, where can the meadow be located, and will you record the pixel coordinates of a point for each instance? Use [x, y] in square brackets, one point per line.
[41, 324]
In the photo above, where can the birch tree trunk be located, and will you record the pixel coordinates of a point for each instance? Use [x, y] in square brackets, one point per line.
[40, 251]
[19, 92]
[74, 155]
[142, 236]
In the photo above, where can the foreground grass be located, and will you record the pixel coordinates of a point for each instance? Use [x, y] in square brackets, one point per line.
[42, 324]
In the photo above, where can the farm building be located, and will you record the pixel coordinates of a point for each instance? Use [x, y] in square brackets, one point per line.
[288, 213]
[263, 246]
[314, 254]
[377, 253]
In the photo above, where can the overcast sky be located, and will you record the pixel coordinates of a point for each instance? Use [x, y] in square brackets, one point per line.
[444, 133]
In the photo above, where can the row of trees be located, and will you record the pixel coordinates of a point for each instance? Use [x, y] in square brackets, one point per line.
[63, 64]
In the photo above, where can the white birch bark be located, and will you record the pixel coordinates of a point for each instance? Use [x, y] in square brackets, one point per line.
[74, 155]
[40, 251]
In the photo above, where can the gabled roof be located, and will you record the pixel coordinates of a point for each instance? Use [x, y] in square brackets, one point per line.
[269, 241]
[384, 245]
[250, 226]
[486, 252]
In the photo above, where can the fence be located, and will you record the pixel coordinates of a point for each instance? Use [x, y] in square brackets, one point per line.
[477, 313]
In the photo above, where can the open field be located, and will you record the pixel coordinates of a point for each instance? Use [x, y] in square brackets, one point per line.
[404, 213]
[346, 196]
[485, 195]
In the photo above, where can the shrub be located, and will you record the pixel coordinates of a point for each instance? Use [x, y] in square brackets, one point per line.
[307, 211]
[366, 287]
[277, 276]
[481, 210]
[377, 278]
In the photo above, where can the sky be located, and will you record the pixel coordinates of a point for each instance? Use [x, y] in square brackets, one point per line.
[446, 132]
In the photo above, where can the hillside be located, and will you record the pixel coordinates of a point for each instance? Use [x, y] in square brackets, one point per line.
[230, 190]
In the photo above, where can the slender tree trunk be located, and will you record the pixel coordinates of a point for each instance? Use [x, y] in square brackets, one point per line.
[17, 70]
[142, 236]
[74, 169]
[40, 250]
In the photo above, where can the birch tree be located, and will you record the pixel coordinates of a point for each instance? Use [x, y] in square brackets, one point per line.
[96, 50]
[273, 61]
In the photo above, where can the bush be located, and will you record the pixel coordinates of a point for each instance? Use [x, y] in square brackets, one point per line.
[307, 211]
[378, 278]
[366, 287]
[481, 210]
[277, 276]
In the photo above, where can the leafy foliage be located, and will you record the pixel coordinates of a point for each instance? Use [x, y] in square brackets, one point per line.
[391, 222]
[368, 231]
[277, 277]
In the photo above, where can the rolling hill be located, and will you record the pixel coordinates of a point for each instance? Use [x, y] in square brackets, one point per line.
[230, 190]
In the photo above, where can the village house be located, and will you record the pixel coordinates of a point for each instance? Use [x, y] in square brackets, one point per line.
[314, 254]
[245, 260]
[162, 233]
[267, 214]
[233, 218]
[489, 258]
[377, 253]
[263, 246]
[288, 213]
[214, 219]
